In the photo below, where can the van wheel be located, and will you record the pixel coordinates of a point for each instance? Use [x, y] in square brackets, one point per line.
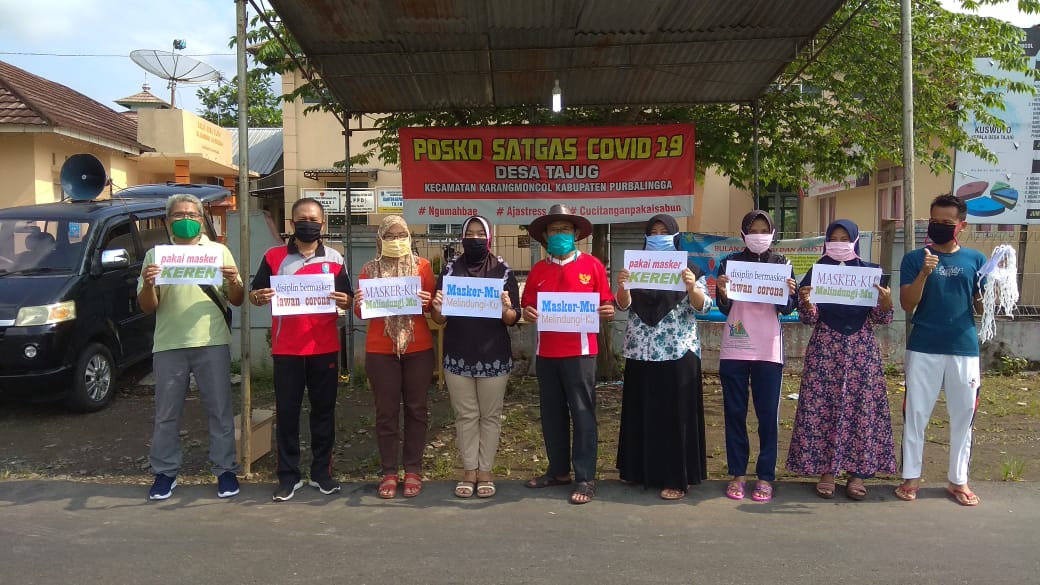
[93, 378]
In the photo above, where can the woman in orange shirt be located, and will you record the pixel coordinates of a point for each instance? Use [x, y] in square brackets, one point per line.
[399, 360]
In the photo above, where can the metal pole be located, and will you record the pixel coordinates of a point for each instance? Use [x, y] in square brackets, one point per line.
[908, 133]
[757, 120]
[243, 213]
[347, 243]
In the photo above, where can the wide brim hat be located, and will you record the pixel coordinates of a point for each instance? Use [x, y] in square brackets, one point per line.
[560, 212]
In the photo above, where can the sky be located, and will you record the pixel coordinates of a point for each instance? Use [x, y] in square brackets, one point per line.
[103, 32]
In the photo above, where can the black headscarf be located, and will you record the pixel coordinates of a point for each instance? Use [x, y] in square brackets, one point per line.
[845, 319]
[654, 305]
[477, 268]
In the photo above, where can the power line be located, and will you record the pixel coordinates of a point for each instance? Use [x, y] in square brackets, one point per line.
[106, 54]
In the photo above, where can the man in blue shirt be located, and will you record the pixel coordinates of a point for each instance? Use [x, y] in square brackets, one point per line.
[939, 286]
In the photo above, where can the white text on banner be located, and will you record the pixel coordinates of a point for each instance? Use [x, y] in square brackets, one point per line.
[845, 285]
[655, 270]
[466, 296]
[189, 265]
[390, 296]
[305, 294]
[758, 282]
[568, 312]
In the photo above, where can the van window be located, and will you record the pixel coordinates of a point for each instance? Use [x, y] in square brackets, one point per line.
[120, 237]
[41, 245]
[152, 231]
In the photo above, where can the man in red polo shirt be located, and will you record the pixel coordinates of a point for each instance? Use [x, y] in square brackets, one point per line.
[566, 363]
[305, 350]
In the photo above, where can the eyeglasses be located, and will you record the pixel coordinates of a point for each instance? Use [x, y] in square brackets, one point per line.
[391, 237]
[184, 215]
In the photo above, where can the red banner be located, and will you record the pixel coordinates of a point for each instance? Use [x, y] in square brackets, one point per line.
[512, 174]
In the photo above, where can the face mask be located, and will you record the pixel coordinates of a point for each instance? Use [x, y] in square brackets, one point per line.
[397, 248]
[307, 231]
[758, 243]
[941, 233]
[475, 249]
[186, 229]
[840, 251]
[660, 243]
[560, 244]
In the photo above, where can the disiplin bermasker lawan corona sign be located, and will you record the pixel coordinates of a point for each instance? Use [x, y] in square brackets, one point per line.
[512, 174]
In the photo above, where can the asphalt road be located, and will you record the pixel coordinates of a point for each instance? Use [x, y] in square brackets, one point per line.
[70, 533]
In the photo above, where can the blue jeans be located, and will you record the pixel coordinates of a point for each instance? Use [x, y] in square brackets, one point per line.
[765, 379]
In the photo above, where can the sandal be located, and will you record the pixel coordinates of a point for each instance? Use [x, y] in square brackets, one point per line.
[583, 492]
[485, 489]
[388, 487]
[825, 489]
[907, 492]
[672, 494]
[855, 490]
[763, 492]
[412, 485]
[464, 489]
[735, 490]
[543, 481]
[964, 497]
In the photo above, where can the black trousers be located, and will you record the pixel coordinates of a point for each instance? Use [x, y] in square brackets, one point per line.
[567, 393]
[319, 375]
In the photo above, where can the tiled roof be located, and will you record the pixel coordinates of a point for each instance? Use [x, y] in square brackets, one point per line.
[142, 97]
[27, 99]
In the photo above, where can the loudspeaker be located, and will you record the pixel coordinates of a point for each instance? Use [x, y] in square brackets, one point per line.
[83, 177]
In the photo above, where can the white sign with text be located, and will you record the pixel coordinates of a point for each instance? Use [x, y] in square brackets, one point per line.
[844, 285]
[189, 264]
[304, 294]
[466, 296]
[758, 282]
[383, 297]
[655, 270]
[568, 312]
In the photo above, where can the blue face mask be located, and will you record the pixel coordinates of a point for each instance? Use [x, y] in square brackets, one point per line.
[560, 244]
[660, 243]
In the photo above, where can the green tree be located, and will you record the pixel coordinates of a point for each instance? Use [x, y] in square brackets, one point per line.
[220, 105]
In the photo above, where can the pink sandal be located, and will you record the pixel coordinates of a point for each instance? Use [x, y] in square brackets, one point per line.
[735, 490]
[763, 492]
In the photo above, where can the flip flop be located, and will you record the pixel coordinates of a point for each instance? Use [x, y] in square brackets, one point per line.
[906, 492]
[672, 494]
[763, 492]
[544, 481]
[825, 489]
[464, 489]
[963, 497]
[856, 491]
[485, 489]
[735, 490]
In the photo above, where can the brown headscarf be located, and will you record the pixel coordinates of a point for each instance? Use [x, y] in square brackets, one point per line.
[399, 328]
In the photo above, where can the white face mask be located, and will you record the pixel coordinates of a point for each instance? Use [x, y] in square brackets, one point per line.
[758, 243]
[840, 251]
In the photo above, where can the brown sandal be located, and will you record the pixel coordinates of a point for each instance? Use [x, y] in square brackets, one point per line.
[412, 485]
[583, 492]
[388, 487]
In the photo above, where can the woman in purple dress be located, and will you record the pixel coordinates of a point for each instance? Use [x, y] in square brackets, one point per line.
[843, 421]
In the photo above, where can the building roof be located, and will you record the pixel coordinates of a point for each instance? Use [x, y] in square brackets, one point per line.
[403, 55]
[144, 97]
[30, 100]
[265, 148]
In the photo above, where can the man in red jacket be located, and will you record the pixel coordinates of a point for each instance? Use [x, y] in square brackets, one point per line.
[305, 349]
[566, 362]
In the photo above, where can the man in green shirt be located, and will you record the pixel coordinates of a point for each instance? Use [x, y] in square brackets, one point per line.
[191, 337]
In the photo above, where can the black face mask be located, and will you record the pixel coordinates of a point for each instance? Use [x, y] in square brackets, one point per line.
[941, 233]
[307, 231]
[475, 249]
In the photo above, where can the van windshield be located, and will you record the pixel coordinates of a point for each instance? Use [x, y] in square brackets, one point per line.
[37, 246]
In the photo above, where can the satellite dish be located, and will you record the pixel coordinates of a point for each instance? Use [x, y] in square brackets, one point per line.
[83, 177]
[174, 68]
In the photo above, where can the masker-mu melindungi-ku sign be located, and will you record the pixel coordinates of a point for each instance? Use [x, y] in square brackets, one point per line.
[758, 282]
[568, 312]
[306, 294]
[189, 265]
[390, 296]
[466, 296]
[655, 270]
[845, 285]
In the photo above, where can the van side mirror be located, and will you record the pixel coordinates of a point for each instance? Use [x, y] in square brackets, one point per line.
[112, 259]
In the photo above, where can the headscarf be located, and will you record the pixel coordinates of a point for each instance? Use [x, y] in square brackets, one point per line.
[654, 305]
[399, 328]
[751, 216]
[481, 269]
[845, 319]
